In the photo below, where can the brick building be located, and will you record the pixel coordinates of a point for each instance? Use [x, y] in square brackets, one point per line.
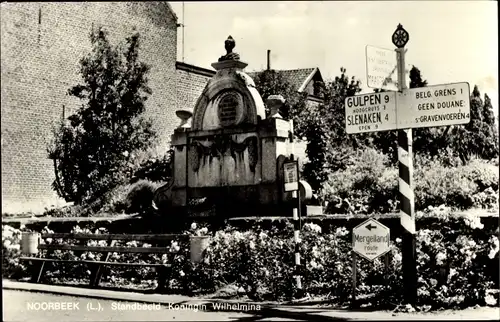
[41, 45]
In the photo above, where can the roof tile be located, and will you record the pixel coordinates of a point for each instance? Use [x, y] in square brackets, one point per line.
[296, 77]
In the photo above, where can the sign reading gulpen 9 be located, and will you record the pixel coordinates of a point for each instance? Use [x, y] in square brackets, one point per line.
[371, 112]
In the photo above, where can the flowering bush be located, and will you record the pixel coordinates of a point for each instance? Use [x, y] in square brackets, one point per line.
[456, 259]
[457, 252]
[452, 265]
[11, 251]
[197, 230]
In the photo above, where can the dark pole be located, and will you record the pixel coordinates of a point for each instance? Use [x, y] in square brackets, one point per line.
[268, 59]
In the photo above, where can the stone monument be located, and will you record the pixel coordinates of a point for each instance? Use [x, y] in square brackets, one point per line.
[226, 150]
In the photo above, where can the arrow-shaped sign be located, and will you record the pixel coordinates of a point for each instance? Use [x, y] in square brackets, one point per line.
[370, 227]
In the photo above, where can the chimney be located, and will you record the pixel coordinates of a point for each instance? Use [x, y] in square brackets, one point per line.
[268, 59]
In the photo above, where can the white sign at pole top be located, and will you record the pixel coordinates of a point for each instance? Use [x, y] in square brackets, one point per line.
[438, 105]
[370, 112]
[381, 68]
[371, 239]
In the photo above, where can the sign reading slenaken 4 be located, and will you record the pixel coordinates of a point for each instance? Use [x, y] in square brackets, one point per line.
[434, 106]
[371, 112]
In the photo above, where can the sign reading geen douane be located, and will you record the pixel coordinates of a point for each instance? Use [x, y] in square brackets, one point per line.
[438, 105]
[291, 176]
[371, 239]
[381, 68]
[370, 112]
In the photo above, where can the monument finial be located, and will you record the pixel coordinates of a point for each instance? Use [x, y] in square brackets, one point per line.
[229, 44]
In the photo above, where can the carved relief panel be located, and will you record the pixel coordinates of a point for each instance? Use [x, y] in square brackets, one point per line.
[224, 160]
[230, 108]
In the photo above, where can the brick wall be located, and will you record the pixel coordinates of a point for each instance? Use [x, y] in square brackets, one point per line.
[41, 44]
[191, 80]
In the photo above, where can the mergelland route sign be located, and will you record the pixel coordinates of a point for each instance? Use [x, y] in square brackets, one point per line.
[371, 239]
[439, 105]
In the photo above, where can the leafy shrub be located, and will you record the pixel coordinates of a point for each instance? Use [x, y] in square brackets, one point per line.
[70, 211]
[483, 174]
[140, 196]
[156, 169]
[474, 185]
[117, 200]
[367, 185]
[131, 198]
[435, 184]
[486, 199]
[370, 185]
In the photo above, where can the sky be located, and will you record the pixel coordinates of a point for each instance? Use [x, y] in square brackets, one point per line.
[450, 41]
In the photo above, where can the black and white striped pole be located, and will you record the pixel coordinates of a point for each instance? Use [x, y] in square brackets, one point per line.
[296, 238]
[292, 179]
[406, 196]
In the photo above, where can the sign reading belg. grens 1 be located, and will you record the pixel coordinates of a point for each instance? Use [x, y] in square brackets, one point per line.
[370, 112]
[371, 239]
[438, 105]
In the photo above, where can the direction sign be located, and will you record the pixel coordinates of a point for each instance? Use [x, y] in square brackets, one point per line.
[438, 105]
[371, 239]
[381, 68]
[291, 175]
[370, 112]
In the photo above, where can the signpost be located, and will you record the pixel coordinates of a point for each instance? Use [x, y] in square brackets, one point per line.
[439, 105]
[370, 112]
[430, 106]
[370, 240]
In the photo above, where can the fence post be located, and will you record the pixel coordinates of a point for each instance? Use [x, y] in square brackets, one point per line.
[354, 279]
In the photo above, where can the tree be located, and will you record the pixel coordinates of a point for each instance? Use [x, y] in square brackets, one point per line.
[271, 82]
[478, 138]
[323, 125]
[488, 114]
[93, 147]
[426, 140]
[329, 146]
